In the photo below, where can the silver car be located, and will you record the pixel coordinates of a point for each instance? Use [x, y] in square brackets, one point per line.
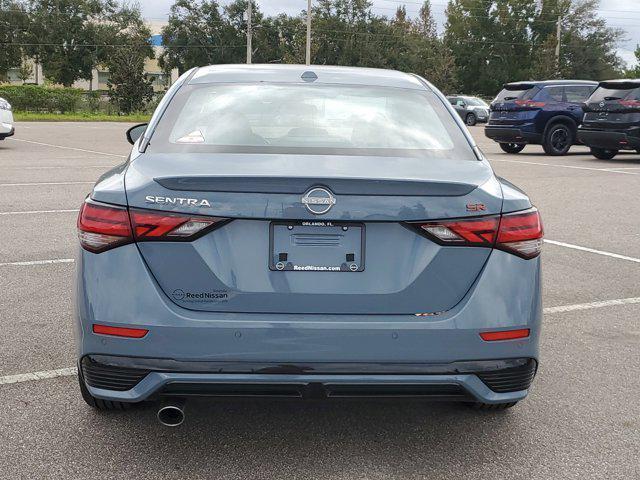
[471, 109]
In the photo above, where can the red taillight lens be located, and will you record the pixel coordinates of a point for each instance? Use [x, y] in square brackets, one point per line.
[521, 233]
[101, 227]
[529, 103]
[479, 231]
[505, 335]
[630, 103]
[149, 225]
[119, 331]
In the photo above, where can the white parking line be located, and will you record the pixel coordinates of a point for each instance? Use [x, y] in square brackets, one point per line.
[591, 250]
[33, 212]
[591, 305]
[37, 184]
[58, 167]
[607, 170]
[66, 372]
[29, 377]
[66, 148]
[37, 262]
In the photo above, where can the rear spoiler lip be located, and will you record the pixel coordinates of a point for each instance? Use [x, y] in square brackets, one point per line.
[301, 185]
[623, 84]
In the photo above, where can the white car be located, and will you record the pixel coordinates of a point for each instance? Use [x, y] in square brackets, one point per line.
[6, 119]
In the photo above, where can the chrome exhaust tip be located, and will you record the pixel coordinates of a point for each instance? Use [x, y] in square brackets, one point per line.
[171, 412]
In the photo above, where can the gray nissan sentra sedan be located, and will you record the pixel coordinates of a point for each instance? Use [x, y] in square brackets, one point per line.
[308, 232]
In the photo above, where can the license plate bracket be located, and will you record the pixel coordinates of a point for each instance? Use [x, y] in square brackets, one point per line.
[316, 246]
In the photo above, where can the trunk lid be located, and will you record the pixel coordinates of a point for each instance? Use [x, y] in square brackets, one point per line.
[235, 268]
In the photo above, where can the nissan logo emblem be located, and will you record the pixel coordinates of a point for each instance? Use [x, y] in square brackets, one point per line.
[601, 104]
[318, 200]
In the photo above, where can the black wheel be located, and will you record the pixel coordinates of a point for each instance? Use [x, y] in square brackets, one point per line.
[491, 406]
[98, 403]
[512, 147]
[558, 139]
[603, 153]
[471, 119]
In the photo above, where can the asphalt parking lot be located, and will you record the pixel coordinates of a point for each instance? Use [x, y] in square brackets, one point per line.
[581, 419]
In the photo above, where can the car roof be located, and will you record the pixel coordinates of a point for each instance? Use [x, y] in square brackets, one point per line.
[547, 83]
[293, 74]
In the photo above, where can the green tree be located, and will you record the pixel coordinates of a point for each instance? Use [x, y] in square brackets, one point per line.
[588, 47]
[197, 34]
[25, 72]
[64, 36]
[129, 89]
[635, 71]
[125, 58]
[13, 24]
[491, 42]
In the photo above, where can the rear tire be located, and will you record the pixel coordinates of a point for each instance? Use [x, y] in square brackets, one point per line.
[512, 147]
[491, 406]
[558, 139]
[471, 119]
[98, 403]
[603, 153]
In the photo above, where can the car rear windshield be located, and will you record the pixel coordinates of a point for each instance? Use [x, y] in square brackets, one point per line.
[616, 93]
[516, 92]
[311, 119]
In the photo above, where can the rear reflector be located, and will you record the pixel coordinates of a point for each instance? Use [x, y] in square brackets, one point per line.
[519, 233]
[102, 227]
[505, 335]
[119, 331]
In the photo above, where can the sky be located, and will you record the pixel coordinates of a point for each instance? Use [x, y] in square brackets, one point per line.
[624, 14]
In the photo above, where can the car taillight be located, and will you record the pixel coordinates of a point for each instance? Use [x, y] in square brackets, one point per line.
[630, 103]
[102, 227]
[519, 233]
[150, 225]
[529, 103]
[479, 231]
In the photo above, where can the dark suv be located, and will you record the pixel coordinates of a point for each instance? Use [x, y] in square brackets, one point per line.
[543, 113]
[612, 118]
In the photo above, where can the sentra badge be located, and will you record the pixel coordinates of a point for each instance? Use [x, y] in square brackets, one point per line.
[191, 202]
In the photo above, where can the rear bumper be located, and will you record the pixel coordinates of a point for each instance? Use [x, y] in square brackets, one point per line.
[610, 139]
[115, 288]
[511, 135]
[134, 379]
[6, 134]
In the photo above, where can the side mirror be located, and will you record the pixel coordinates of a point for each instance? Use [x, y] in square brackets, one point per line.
[135, 132]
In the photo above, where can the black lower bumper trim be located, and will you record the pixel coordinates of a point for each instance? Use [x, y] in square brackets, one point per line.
[448, 392]
[511, 379]
[511, 135]
[609, 139]
[123, 373]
